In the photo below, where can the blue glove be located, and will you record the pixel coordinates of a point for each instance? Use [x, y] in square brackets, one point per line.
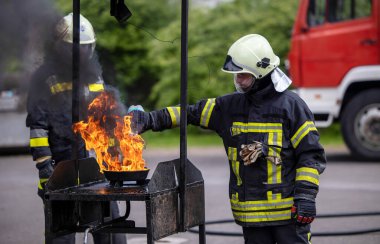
[135, 108]
[45, 170]
[303, 211]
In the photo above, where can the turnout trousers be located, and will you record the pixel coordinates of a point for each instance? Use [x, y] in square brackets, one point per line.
[281, 234]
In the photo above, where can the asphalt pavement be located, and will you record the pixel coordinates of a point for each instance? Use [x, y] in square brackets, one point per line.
[346, 186]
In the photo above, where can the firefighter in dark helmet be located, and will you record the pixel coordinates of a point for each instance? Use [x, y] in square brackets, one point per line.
[49, 106]
[270, 140]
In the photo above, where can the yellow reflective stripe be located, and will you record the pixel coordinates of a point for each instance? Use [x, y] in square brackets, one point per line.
[309, 237]
[270, 204]
[39, 142]
[272, 196]
[96, 87]
[232, 153]
[206, 112]
[274, 171]
[175, 113]
[261, 216]
[235, 165]
[240, 127]
[42, 181]
[302, 132]
[308, 174]
[61, 87]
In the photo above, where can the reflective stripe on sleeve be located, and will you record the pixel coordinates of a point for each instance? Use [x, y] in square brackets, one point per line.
[175, 113]
[39, 138]
[39, 142]
[37, 133]
[308, 174]
[96, 87]
[206, 112]
[302, 132]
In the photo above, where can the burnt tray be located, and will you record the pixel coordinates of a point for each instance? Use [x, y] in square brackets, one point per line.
[117, 178]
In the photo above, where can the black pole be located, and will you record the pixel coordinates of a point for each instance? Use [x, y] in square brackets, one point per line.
[183, 118]
[75, 74]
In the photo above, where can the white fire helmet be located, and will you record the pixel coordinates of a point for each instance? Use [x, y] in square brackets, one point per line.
[251, 54]
[64, 30]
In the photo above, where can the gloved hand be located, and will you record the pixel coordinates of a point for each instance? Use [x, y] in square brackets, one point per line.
[140, 119]
[303, 211]
[45, 170]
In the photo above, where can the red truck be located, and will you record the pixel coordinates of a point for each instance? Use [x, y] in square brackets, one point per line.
[334, 62]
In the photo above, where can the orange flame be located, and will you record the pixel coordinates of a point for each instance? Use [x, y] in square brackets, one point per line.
[110, 136]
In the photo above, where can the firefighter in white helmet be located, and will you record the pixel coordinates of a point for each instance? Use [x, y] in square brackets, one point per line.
[270, 140]
[64, 38]
[49, 106]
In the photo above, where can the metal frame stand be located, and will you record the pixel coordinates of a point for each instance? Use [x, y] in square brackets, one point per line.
[71, 208]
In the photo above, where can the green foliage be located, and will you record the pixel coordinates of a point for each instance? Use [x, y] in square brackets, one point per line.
[331, 135]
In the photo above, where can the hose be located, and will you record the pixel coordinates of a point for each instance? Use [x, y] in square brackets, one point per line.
[337, 233]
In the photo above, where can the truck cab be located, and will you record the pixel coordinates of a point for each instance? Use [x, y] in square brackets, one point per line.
[334, 62]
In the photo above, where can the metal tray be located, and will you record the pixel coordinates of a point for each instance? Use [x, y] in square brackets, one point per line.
[120, 176]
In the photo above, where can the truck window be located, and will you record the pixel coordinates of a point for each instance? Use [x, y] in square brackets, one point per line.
[337, 10]
[316, 12]
[342, 10]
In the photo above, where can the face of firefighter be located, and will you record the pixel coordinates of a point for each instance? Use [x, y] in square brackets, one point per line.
[243, 82]
[65, 50]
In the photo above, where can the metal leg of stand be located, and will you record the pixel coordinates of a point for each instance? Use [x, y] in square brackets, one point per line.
[202, 234]
[47, 212]
[149, 225]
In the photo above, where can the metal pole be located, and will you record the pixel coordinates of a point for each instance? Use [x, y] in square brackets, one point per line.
[75, 76]
[183, 118]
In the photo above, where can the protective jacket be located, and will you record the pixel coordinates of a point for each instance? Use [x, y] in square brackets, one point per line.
[49, 107]
[261, 194]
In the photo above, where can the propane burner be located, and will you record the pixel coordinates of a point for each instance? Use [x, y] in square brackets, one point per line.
[117, 178]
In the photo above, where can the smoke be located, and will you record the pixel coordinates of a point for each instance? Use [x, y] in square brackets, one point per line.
[26, 28]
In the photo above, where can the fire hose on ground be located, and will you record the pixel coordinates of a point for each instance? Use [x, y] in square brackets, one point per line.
[336, 233]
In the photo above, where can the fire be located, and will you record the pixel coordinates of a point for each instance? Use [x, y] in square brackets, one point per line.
[109, 134]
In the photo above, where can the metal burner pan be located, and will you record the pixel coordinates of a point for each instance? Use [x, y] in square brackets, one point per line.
[117, 177]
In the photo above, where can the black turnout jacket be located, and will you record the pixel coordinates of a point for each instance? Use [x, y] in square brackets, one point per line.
[49, 107]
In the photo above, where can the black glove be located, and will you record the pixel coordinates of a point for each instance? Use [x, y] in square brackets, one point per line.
[140, 121]
[45, 170]
[304, 211]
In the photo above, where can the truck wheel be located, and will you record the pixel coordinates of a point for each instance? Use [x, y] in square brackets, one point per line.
[360, 123]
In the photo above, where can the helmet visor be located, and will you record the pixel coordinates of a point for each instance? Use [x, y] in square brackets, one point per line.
[230, 66]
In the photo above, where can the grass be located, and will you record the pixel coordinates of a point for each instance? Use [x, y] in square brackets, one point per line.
[202, 138]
